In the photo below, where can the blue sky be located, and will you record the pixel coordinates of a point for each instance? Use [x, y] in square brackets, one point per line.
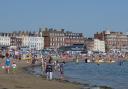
[86, 16]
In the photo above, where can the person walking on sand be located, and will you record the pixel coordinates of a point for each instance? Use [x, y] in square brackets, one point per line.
[7, 65]
[49, 69]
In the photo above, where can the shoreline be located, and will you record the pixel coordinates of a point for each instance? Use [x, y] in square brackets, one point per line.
[24, 79]
[82, 85]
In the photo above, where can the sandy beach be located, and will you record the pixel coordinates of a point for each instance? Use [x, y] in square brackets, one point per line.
[22, 80]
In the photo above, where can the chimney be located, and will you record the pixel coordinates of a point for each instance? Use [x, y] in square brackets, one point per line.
[62, 30]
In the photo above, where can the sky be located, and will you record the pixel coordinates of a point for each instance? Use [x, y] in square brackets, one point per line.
[83, 16]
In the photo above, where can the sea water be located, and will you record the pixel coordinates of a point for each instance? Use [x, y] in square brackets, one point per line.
[104, 74]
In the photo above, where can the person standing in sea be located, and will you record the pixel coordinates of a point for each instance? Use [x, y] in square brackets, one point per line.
[34, 60]
[121, 60]
[43, 65]
[62, 70]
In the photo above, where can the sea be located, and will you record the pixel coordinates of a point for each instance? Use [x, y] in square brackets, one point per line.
[114, 75]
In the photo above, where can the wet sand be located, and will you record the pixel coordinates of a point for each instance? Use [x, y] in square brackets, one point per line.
[22, 80]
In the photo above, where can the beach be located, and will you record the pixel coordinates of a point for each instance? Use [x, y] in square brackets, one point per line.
[23, 80]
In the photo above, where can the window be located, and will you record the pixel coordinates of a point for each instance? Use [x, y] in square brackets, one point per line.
[50, 43]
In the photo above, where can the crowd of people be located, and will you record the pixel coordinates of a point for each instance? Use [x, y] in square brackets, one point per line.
[9, 59]
[50, 66]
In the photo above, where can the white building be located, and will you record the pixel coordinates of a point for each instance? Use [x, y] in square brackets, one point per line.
[99, 45]
[4, 41]
[33, 42]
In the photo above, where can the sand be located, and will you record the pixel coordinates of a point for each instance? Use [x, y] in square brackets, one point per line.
[22, 80]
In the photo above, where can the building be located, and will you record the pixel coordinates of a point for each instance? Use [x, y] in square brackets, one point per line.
[95, 45]
[99, 45]
[16, 41]
[89, 42]
[22, 38]
[73, 38]
[53, 38]
[116, 40]
[74, 49]
[33, 42]
[4, 41]
[113, 40]
[6, 34]
[10, 39]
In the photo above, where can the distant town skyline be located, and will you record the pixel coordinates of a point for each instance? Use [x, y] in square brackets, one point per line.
[85, 16]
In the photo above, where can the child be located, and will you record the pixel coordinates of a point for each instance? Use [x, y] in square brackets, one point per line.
[1, 68]
[13, 67]
[7, 65]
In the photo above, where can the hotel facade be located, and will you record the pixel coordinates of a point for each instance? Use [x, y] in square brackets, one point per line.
[22, 39]
[54, 38]
[33, 42]
[113, 40]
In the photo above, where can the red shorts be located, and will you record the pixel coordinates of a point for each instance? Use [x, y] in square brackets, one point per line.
[7, 68]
